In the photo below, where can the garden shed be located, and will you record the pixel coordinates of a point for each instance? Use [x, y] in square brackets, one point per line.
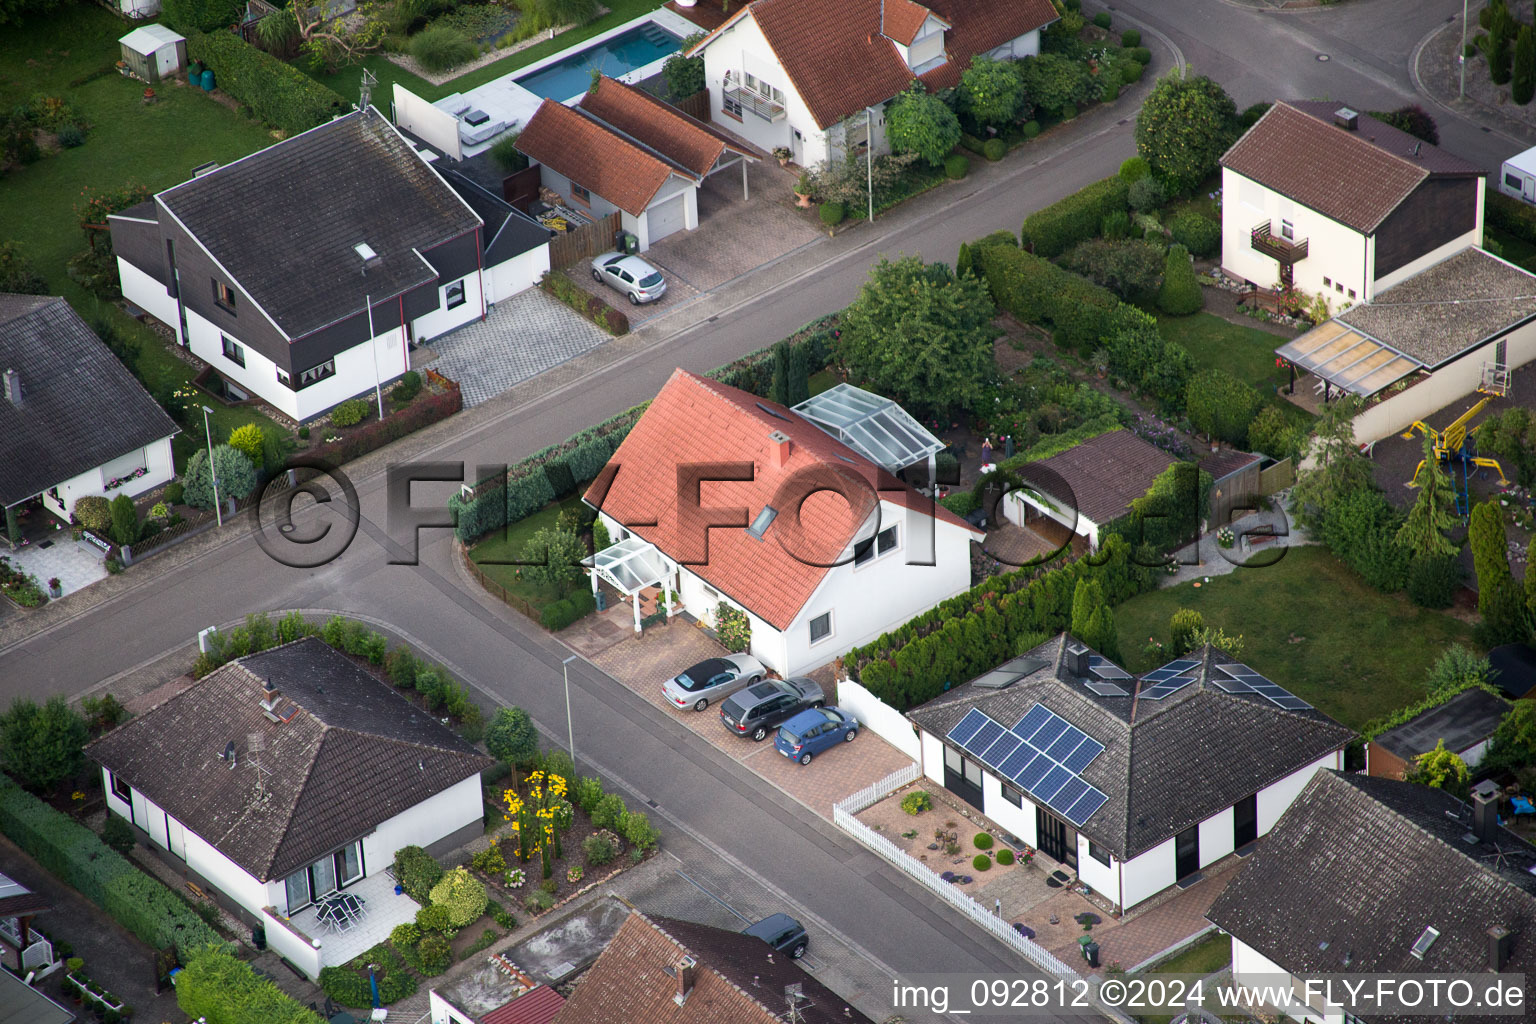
[154, 52]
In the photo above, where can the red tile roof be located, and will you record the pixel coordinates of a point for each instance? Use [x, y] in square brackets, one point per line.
[660, 126]
[1342, 174]
[903, 20]
[698, 420]
[536, 1006]
[839, 63]
[605, 164]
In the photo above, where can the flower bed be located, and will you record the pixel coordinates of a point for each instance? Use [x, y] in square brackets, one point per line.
[21, 587]
[107, 1007]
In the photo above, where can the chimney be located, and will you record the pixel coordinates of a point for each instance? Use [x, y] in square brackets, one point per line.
[1347, 119]
[1499, 941]
[781, 447]
[1077, 660]
[13, 387]
[686, 968]
[1485, 812]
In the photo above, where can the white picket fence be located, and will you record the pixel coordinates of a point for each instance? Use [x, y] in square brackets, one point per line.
[843, 816]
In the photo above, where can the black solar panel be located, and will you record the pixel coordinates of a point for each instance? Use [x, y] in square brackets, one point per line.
[1108, 689]
[1043, 754]
[967, 726]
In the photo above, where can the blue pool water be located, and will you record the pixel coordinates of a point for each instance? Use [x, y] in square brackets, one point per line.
[625, 52]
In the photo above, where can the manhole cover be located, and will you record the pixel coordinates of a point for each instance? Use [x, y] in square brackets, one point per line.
[1323, 56]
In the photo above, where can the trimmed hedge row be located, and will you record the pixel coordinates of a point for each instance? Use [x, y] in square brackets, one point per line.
[964, 636]
[218, 987]
[754, 371]
[76, 855]
[1057, 228]
[559, 614]
[279, 94]
[1510, 215]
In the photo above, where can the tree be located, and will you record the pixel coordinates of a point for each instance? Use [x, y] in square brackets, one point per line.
[236, 476]
[990, 92]
[125, 520]
[1434, 511]
[1523, 82]
[1220, 406]
[799, 376]
[511, 737]
[1183, 627]
[919, 335]
[1092, 620]
[684, 75]
[1501, 32]
[1458, 668]
[40, 746]
[1184, 126]
[1052, 81]
[249, 439]
[190, 16]
[778, 391]
[1214, 636]
[1513, 744]
[1129, 269]
[1180, 294]
[1361, 528]
[1338, 467]
[331, 43]
[919, 122]
[553, 557]
[1439, 769]
[1271, 434]
[18, 275]
[1500, 604]
[1413, 119]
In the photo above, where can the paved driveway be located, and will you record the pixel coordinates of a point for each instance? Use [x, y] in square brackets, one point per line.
[520, 337]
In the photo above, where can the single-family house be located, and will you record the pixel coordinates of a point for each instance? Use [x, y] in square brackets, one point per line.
[305, 272]
[1335, 202]
[285, 777]
[1087, 486]
[154, 52]
[622, 149]
[1134, 783]
[73, 421]
[813, 76]
[1464, 723]
[32, 950]
[793, 516]
[1370, 876]
[664, 971]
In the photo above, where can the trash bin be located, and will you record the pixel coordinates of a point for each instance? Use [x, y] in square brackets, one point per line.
[1091, 953]
[259, 936]
[631, 243]
[208, 80]
[618, 240]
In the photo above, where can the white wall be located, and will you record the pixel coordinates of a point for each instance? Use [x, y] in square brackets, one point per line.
[517, 274]
[1250, 967]
[879, 717]
[298, 949]
[431, 124]
[424, 824]
[743, 49]
[442, 319]
[1018, 821]
[1148, 874]
[1217, 838]
[1333, 250]
[148, 294]
[674, 185]
[444, 1012]
[1274, 799]
[933, 757]
[1013, 510]
[159, 468]
[598, 207]
[1103, 879]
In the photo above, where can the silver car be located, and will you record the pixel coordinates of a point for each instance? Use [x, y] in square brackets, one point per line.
[712, 679]
[631, 275]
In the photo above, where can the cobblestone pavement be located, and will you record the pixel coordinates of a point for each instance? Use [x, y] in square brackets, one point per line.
[520, 338]
[74, 563]
[1438, 73]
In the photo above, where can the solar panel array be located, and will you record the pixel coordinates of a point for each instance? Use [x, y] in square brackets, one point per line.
[1171, 678]
[1103, 674]
[1236, 678]
[1043, 754]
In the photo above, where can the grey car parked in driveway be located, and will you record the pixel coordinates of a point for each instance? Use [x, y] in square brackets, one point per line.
[759, 710]
[712, 679]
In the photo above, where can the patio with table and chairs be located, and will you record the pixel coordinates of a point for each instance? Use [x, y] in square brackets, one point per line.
[354, 919]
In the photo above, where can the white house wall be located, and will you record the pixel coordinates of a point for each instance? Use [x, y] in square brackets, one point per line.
[517, 274]
[1103, 879]
[442, 319]
[444, 1012]
[1250, 967]
[1148, 874]
[1017, 821]
[159, 468]
[553, 179]
[1275, 798]
[424, 824]
[1013, 510]
[740, 49]
[147, 293]
[1026, 45]
[1333, 250]
[672, 188]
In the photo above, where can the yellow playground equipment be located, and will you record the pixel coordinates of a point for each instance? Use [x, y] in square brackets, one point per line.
[1456, 445]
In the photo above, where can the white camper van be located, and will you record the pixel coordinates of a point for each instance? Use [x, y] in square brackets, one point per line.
[1518, 176]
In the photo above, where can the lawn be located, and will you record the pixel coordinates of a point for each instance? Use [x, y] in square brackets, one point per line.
[1245, 352]
[1311, 625]
[508, 545]
[1207, 956]
[346, 80]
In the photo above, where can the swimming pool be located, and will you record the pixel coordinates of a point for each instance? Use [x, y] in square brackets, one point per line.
[635, 48]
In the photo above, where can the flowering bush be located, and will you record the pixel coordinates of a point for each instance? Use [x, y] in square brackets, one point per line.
[574, 874]
[516, 877]
[1225, 537]
[732, 628]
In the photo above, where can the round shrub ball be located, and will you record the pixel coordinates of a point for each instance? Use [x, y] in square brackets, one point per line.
[956, 166]
[1131, 71]
[434, 953]
[1005, 857]
[1068, 112]
[1141, 55]
[1133, 169]
[406, 934]
[1200, 235]
[983, 841]
[996, 149]
[1031, 129]
[1130, 38]
[174, 492]
[93, 512]
[832, 214]
[71, 136]
[237, 476]
[1103, 19]
[981, 862]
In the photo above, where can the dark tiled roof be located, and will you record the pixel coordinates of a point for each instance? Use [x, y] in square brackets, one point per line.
[278, 222]
[1167, 763]
[1338, 173]
[1514, 667]
[1106, 473]
[320, 772]
[682, 139]
[1463, 721]
[1224, 463]
[80, 407]
[739, 979]
[1444, 310]
[1392, 140]
[604, 162]
[508, 231]
[17, 899]
[1365, 865]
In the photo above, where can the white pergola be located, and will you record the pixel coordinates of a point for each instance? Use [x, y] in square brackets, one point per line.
[630, 566]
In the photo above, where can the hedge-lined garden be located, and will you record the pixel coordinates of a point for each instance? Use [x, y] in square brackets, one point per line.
[220, 988]
[277, 93]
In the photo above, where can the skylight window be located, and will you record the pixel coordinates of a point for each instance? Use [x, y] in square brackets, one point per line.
[1425, 941]
[365, 250]
[764, 520]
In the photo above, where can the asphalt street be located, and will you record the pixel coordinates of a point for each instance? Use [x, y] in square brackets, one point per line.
[712, 811]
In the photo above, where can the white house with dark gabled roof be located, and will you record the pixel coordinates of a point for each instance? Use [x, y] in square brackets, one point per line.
[290, 776]
[1134, 783]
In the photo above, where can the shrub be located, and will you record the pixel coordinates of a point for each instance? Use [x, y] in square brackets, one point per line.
[439, 48]
[1271, 434]
[125, 520]
[417, 872]
[433, 954]
[1361, 528]
[277, 93]
[349, 413]
[93, 512]
[1130, 38]
[118, 834]
[1133, 169]
[189, 16]
[916, 121]
[1130, 269]
[995, 149]
[40, 744]
[983, 841]
[403, 935]
[1103, 19]
[247, 438]
[638, 831]
[1251, 114]
[217, 986]
[432, 918]
[981, 862]
[1055, 229]
[608, 812]
[957, 166]
[1200, 235]
[1069, 111]
[237, 476]
[1116, 225]
[559, 614]
[1030, 129]
[1220, 406]
[507, 156]
[684, 75]
[462, 894]
[1180, 294]
[1146, 195]
[916, 802]
[732, 628]
[71, 136]
[538, 901]
[511, 737]
[1141, 55]
[1005, 857]
[1433, 580]
[408, 387]
[598, 850]
[489, 860]
[831, 214]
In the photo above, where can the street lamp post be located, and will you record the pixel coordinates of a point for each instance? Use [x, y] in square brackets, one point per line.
[869, 160]
[570, 726]
[1461, 54]
[213, 471]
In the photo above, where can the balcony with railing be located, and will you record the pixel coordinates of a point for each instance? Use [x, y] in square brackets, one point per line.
[1278, 247]
[738, 99]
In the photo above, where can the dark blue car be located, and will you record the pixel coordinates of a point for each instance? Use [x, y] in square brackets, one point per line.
[814, 730]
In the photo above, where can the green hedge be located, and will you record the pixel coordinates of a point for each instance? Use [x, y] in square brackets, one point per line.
[349, 985]
[224, 990]
[559, 614]
[754, 371]
[1510, 215]
[966, 635]
[77, 856]
[279, 94]
[1060, 226]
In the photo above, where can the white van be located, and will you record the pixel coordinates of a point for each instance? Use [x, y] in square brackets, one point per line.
[1518, 176]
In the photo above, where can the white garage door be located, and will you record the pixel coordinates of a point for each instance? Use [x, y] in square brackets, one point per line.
[666, 218]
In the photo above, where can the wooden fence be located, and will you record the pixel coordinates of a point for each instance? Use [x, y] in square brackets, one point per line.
[586, 241]
[695, 106]
[1277, 477]
[492, 587]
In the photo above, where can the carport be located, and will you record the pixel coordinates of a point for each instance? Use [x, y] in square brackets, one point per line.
[630, 566]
